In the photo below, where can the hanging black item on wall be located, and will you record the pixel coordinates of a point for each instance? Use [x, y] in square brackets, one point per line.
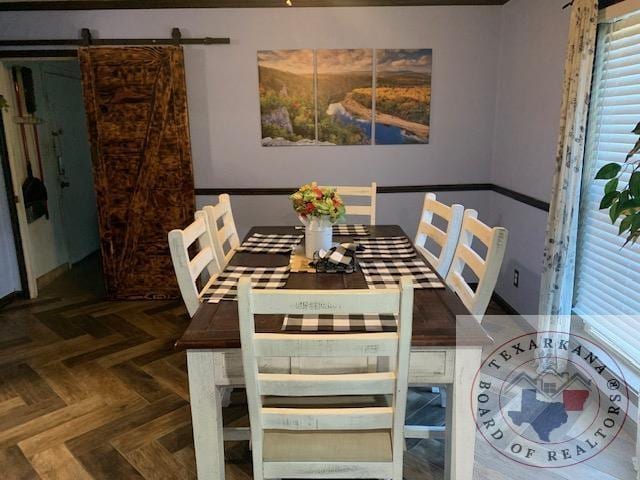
[35, 196]
[34, 191]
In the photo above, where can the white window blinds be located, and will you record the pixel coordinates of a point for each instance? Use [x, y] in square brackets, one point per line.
[607, 275]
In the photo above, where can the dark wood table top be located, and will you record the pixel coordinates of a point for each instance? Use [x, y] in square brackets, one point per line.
[215, 325]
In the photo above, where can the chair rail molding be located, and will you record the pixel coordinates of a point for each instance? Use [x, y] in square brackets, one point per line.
[457, 187]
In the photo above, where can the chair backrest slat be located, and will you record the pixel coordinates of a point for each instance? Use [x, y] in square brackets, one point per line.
[447, 241]
[382, 383]
[364, 418]
[325, 345]
[359, 210]
[196, 236]
[393, 382]
[223, 228]
[194, 231]
[329, 302]
[486, 270]
[200, 262]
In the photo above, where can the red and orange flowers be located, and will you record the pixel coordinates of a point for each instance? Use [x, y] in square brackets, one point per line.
[313, 201]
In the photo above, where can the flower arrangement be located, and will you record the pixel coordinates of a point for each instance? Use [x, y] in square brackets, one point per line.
[312, 201]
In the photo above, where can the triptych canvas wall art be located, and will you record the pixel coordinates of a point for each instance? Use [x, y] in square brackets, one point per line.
[345, 96]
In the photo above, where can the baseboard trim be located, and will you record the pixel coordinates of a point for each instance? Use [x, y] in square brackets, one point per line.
[7, 299]
[504, 304]
[43, 280]
[455, 187]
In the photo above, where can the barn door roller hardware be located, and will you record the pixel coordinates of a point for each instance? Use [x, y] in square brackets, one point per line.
[87, 40]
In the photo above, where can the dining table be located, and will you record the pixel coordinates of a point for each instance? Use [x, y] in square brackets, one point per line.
[446, 350]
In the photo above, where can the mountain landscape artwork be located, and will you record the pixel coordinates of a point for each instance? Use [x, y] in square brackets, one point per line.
[403, 96]
[287, 97]
[329, 97]
[342, 120]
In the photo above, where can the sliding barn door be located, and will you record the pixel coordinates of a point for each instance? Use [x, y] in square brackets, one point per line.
[138, 126]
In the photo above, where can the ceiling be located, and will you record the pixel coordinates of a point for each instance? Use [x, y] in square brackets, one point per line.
[6, 5]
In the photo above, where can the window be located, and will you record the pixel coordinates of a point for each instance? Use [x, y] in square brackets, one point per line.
[607, 275]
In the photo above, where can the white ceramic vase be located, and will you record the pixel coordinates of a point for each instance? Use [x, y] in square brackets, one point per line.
[318, 235]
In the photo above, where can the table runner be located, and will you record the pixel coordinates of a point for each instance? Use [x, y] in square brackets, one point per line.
[340, 323]
[273, 243]
[225, 286]
[387, 273]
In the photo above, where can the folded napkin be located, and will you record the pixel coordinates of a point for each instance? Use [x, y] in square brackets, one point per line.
[339, 259]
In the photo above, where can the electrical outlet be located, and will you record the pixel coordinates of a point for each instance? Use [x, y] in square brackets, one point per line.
[516, 277]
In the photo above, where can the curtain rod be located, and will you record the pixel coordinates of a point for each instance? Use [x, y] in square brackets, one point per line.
[86, 40]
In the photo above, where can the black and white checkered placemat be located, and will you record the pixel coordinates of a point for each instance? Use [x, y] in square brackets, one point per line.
[387, 273]
[386, 247]
[340, 323]
[272, 243]
[225, 286]
[350, 230]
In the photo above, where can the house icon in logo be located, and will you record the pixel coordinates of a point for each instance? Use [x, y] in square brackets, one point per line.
[550, 390]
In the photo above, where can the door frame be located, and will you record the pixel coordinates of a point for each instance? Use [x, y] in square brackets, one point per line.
[16, 170]
[12, 200]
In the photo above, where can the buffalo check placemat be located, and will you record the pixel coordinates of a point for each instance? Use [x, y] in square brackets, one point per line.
[386, 247]
[350, 230]
[340, 323]
[225, 286]
[387, 273]
[272, 243]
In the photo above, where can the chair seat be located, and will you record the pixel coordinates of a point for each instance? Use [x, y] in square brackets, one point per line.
[327, 446]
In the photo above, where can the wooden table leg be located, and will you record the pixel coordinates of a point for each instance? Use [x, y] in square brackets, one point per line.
[461, 428]
[206, 415]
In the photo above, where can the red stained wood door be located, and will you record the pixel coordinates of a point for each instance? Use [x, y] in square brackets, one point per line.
[139, 130]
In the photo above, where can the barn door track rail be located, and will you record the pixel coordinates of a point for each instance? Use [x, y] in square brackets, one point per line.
[87, 40]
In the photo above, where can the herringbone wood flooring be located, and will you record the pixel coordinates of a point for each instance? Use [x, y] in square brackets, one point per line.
[92, 389]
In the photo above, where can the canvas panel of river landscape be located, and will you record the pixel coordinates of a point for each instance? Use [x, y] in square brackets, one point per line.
[287, 100]
[403, 96]
[344, 116]
[331, 103]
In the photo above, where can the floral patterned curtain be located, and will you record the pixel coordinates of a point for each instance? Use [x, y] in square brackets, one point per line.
[556, 291]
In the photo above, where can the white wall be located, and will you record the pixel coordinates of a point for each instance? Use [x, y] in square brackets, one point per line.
[64, 111]
[532, 48]
[223, 93]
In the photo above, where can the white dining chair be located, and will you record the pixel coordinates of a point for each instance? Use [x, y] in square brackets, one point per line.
[301, 425]
[196, 236]
[223, 228]
[190, 271]
[359, 210]
[485, 269]
[446, 241]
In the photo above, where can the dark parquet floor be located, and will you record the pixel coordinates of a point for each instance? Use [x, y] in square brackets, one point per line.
[92, 389]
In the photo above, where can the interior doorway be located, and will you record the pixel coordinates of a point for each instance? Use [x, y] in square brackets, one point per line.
[49, 151]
